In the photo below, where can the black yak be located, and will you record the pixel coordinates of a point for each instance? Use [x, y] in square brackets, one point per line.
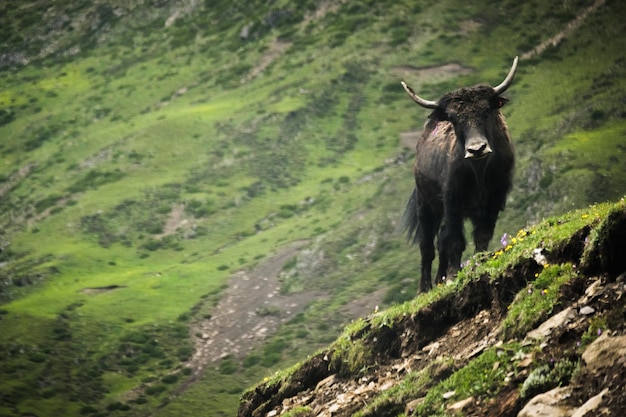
[463, 170]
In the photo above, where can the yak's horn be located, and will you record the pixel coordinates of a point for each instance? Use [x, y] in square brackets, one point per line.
[424, 103]
[508, 80]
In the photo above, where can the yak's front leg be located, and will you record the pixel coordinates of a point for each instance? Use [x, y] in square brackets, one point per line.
[483, 232]
[484, 225]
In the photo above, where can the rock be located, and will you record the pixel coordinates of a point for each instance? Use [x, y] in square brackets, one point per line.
[525, 362]
[363, 389]
[431, 348]
[333, 408]
[460, 405]
[477, 351]
[605, 351]
[448, 395]
[386, 386]
[539, 257]
[548, 404]
[554, 322]
[325, 383]
[591, 405]
[586, 310]
[245, 32]
[593, 288]
[411, 406]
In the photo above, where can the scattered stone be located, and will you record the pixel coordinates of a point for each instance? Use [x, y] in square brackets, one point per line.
[448, 395]
[593, 288]
[526, 362]
[477, 351]
[411, 406]
[245, 32]
[554, 322]
[539, 257]
[386, 386]
[363, 389]
[605, 351]
[591, 406]
[431, 348]
[586, 310]
[326, 382]
[461, 405]
[548, 404]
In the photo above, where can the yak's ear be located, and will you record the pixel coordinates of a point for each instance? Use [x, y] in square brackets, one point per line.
[499, 102]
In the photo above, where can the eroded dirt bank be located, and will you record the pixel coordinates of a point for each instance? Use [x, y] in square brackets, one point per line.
[446, 335]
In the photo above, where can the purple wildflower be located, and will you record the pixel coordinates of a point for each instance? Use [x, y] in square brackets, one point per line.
[504, 239]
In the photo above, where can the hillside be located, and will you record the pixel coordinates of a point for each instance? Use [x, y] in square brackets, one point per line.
[194, 195]
[534, 329]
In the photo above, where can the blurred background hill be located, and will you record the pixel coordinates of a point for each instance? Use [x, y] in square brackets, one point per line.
[151, 150]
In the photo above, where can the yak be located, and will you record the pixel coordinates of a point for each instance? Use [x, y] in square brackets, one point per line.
[463, 170]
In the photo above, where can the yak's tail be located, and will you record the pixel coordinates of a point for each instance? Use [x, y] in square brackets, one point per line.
[409, 223]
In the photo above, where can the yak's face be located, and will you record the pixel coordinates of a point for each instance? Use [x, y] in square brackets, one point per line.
[475, 114]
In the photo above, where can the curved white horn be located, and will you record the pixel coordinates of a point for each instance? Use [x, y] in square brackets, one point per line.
[424, 103]
[501, 88]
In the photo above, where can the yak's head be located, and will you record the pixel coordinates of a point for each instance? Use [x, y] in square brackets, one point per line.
[474, 112]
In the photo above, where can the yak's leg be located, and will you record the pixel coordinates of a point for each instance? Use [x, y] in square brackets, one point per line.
[451, 246]
[429, 224]
[484, 225]
[483, 232]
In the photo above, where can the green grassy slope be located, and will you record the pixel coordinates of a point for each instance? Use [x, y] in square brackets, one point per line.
[130, 116]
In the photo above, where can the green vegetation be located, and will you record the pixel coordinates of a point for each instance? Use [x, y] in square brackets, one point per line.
[155, 151]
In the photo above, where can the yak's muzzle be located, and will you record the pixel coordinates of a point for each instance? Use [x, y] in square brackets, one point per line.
[477, 147]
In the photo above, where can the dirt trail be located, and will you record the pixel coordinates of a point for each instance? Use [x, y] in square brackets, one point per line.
[572, 26]
[250, 309]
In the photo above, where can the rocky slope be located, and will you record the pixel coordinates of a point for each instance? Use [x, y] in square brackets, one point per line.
[542, 335]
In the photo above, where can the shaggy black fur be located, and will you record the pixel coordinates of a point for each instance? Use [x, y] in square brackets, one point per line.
[463, 170]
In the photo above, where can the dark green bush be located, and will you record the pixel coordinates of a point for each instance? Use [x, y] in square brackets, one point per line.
[170, 379]
[154, 390]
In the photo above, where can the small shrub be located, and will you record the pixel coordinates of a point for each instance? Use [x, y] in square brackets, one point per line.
[268, 311]
[154, 390]
[184, 353]
[152, 245]
[228, 366]
[118, 406]
[545, 378]
[87, 409]
[170, 379]
[251, 360]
